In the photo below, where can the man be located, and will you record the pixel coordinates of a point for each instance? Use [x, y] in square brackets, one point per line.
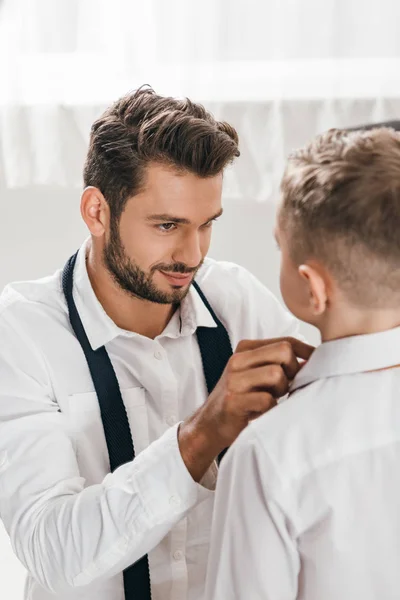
[319, 514]
[114, 359]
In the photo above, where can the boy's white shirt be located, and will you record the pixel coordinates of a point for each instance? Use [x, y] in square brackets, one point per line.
[308, 498]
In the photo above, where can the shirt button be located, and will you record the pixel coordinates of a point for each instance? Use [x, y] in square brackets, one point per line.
[157, 355]
[178, 555]
[174, 501]
[172, 420]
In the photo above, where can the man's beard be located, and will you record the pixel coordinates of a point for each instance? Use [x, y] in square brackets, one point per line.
[131, 278]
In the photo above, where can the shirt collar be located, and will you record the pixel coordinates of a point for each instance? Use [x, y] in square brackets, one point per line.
[346, 356]
[101, 329]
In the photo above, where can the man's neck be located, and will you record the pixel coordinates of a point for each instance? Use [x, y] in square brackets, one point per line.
[128, 312]
[348, 321]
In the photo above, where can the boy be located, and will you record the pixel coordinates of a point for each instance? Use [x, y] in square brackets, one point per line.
[308, 499]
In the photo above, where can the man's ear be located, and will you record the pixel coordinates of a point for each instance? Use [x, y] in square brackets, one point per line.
[317, 288]
[95, 211]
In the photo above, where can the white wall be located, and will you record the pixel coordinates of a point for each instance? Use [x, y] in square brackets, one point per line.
[39, 229]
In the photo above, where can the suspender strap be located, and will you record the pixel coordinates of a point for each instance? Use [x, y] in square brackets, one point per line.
[215, 346]
[115, 422]
[215, 349]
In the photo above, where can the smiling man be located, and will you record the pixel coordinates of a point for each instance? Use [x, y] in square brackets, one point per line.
[118, 387]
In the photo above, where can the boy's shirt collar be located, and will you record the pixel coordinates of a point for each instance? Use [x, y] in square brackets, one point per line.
[355, 354]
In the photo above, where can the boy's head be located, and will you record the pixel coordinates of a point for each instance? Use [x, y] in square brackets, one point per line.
[338, 225]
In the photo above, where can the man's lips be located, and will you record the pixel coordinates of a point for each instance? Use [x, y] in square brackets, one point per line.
[178, 279]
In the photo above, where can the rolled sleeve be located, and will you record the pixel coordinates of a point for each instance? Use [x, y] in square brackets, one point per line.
[160, 478]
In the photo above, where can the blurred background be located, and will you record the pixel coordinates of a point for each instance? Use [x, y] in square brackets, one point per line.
[279, 70]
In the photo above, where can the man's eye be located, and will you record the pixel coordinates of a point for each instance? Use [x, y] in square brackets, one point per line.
[211, 223]
[166, 226]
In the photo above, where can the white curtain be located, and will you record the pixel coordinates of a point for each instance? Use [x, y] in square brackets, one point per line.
[207, 30]
[280, 70]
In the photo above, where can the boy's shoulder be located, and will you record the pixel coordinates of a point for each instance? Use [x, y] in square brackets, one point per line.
[326, 422]
[308, 429]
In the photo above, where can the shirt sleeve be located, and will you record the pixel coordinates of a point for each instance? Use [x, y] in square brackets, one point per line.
[253, 554]
[68, 535]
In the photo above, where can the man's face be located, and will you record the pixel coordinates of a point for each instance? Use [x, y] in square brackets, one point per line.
[164, 233]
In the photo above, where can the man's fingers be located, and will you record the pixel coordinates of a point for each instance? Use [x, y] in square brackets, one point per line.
[300, 349]
[254, 404]
[279, 353]
[268, 378]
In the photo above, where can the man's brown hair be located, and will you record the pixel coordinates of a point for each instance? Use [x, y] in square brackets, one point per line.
[143, 127]
[341, 206]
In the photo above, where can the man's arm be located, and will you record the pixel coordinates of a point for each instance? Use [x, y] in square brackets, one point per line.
[67, 535]
[269, 353]
[253, 555]
[257, 374]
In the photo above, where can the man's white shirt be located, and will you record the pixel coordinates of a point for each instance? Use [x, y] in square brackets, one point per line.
[308, 498]
[74, 525]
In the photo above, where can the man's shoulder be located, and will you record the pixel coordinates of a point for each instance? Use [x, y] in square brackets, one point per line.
[230, 283]
[212, 269]
[243, 303]
[27, 301]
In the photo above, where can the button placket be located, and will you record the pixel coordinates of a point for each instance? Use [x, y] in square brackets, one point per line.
[171, 420]
[175, 501]
[178, 554]
[168, 390]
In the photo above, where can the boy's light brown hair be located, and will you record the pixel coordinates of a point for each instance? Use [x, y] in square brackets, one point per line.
[341, 206]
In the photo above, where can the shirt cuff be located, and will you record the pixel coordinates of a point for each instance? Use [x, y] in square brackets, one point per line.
[209, 480]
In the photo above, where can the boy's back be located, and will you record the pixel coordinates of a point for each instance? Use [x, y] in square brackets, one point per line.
[308, 498]
[323, 491]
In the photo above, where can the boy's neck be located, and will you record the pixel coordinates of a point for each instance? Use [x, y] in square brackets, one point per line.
[348, 320]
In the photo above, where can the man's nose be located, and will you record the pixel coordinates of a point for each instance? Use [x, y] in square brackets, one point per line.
[189, 251]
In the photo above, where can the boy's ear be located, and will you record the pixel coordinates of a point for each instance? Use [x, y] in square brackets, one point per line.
[317, 288]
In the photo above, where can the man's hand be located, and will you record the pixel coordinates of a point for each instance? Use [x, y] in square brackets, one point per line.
[257, 374]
